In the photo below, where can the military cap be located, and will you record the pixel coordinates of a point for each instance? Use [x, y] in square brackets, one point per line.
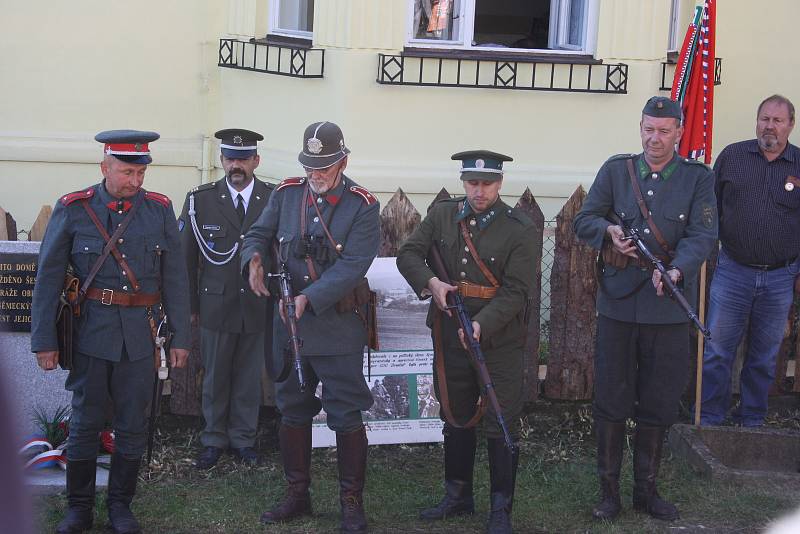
[661, 106]
[236, 143]
[130, 146]
[323, 146]
[481, 164]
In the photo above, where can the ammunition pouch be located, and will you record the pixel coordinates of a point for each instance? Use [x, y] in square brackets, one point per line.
[611, 257]
[360, 296]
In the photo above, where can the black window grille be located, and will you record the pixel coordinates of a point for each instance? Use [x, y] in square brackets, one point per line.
[281, 59]
[668, 73]
[531, 74]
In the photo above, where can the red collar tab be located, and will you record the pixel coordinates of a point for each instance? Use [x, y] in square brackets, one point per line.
[127, 149]
[120, 206]
[72, 197]
[331, 199]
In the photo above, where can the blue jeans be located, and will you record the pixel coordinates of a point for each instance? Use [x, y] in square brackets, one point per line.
[741, 294]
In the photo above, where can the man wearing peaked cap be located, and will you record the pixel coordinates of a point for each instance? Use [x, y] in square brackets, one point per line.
[642, 350]
[141, 281]
[325, 228]
[488, 249]
[232, 319]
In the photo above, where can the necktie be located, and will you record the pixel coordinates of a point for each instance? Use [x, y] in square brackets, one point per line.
[240, 207]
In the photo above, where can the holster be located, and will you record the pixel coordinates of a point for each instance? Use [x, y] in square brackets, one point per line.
[352, 302]
[68, 309]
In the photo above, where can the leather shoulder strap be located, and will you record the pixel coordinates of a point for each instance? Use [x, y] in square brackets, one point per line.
[637, 191]
[474, 253]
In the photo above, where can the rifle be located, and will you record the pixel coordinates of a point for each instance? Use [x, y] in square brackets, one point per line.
[161, 337]
[632, 234]
[455, 302]
[294, 343]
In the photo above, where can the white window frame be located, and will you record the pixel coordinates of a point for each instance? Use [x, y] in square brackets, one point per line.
[274, 22]
[676, 30]
[557, 36]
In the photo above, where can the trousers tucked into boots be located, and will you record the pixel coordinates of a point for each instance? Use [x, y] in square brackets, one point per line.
[121, 489]
[80, 497]
[646, 460]
[502, 479]
[351, 453]
[295, 443]
[610, 439]
[459, 460]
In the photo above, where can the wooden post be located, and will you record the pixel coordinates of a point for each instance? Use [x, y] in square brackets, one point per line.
[399, 218]
[40, 224]
[8, 226]
[528, 205]
[570, 372]
[187, 383]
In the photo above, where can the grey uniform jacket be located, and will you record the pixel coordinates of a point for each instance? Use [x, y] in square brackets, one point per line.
[153, 251]
[681, 200]
[218, 293]
[351, 214]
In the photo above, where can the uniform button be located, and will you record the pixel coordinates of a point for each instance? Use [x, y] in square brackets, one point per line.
[491, 260]
[85, 248]
[470, 234]
[622, 214]
[316, 219]
[650, 193]
[319, 200]
[654, 176]
[124, 273]
[241, 236]
[466, 249]
[210, 235]
[472, 222]
[120, 240]
[306, 278]
[205, 289]
[464, 261]
[125, 288]
[681, 216]
[158, 246]
[647, 230]
[124, 256]
[241, 290]
[462, 274]
[120, 212]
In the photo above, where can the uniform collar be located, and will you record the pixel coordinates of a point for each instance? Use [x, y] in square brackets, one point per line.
[332, 197]
[246, 192]
[112, 202]
[645, 172]
[482, 220]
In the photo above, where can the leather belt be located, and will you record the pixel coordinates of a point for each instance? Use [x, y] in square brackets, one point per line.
[467, 289]
[766, 267]
[118, 298]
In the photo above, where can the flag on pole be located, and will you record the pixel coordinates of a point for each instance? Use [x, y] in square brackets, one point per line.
[693, 83]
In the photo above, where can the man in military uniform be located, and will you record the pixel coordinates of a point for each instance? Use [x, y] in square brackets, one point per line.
[113, 339]
[641, 361]
[232, 319]
[488, 250]
[325, 228]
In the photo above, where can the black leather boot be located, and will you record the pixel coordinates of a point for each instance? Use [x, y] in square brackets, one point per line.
[649, 441]
[295, 443]
[121, 489]
[351, 453]
[80, 497]
[610, 438]
[459, 460]
[502, 479]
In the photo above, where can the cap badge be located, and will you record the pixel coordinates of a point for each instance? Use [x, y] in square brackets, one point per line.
[137, 147]
[314, 145]
[480, 164]
[660, 105]
[237, 139]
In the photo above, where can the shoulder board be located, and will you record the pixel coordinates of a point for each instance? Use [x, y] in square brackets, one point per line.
[451, 199]
[518, 215]
[289, 182]
[77, 195]
[203, 187]
[694, 162]
[363, 193]
[621, 156]
[157, 197]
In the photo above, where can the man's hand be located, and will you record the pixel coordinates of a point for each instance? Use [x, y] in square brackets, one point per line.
[256, 277]
[439, 290]
[47, 359]
[178, 358]
[621, 245]
[674, 274]
[300, 305]
[476, 334]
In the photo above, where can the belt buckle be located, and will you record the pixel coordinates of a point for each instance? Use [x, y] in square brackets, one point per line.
[110, 294]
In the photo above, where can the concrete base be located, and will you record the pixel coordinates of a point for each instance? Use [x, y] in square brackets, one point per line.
[738, 453]
[53, 480]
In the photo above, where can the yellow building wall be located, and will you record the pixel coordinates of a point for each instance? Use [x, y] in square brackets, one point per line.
[83, 67]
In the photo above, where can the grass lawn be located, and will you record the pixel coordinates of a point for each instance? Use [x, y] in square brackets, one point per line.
[556, 488]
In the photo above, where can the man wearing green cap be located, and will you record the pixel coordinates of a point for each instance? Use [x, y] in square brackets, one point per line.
[642, 354]
[488, 250]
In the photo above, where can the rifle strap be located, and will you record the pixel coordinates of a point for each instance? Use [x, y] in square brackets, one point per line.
[637, 191]
[110, 247]
[441, 377]
[474, 253]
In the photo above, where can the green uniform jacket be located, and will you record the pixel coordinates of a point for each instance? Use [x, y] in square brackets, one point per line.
[682, 203]
[504, 241]
[218, 293]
